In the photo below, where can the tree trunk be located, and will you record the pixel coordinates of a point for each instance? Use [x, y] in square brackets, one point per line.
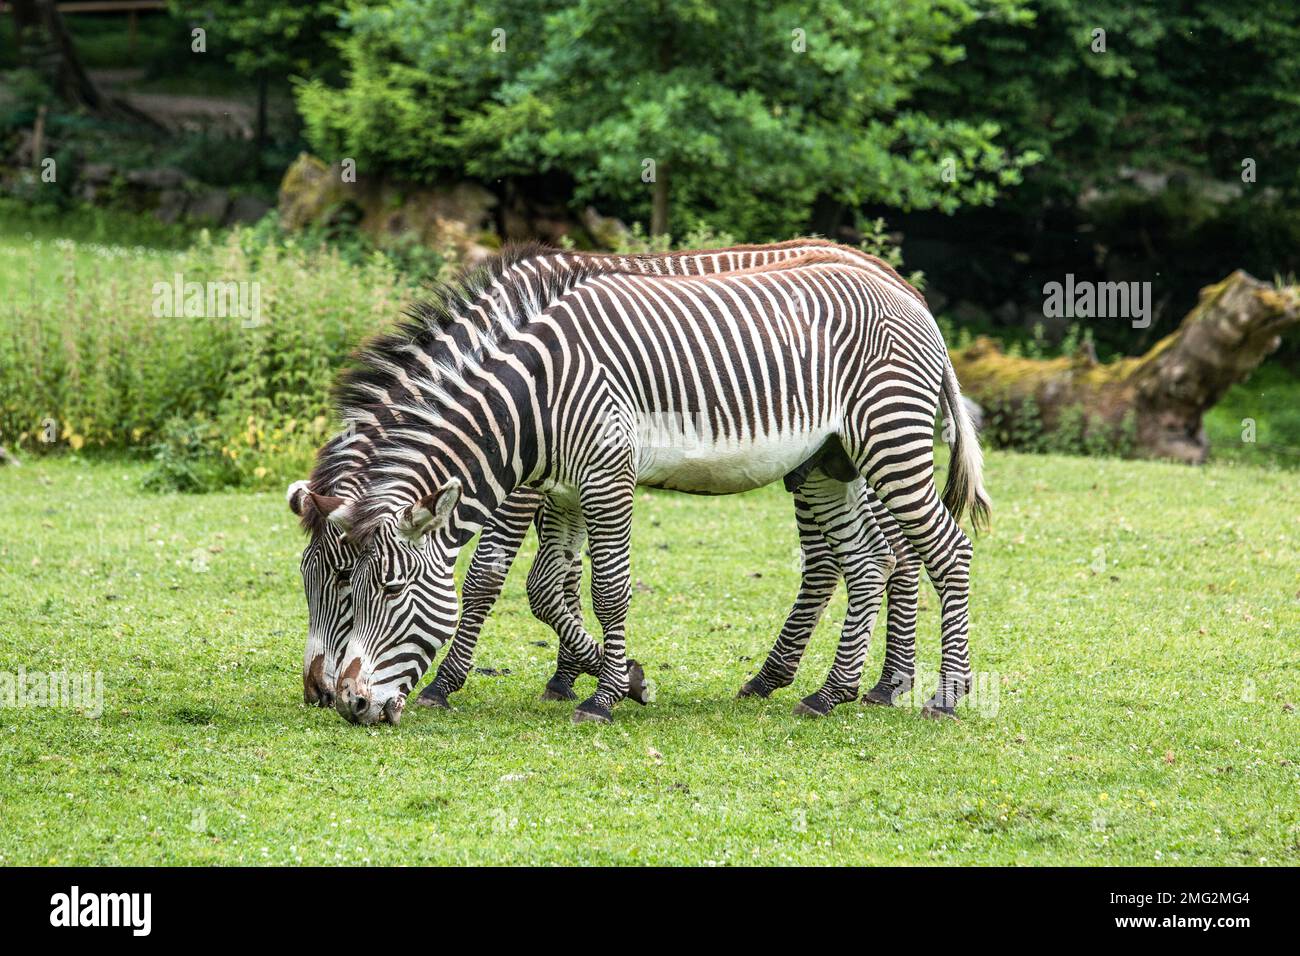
[58, 59]
[659, 202]
[1161, 395]
[259, 143]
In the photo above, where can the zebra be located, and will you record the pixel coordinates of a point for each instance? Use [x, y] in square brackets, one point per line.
[774, 365]
[553, 587]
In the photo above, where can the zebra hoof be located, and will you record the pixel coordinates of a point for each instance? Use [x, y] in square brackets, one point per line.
[754, 687]
[557, 689]
[883, 694]
[591, 713]
[639, 687]
[431, 696]
[815, 705]
[935, 711]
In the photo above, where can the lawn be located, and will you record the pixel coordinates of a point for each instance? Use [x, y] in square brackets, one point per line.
[1138, 624]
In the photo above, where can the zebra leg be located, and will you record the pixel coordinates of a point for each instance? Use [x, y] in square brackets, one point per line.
[567, 665]
[820, 573]
[559, 542]
[607, 510]
[906, 488]
[866, 560]
[497, 547]
[902, 592]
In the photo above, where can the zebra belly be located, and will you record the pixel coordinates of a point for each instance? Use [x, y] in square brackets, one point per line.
[706, 465]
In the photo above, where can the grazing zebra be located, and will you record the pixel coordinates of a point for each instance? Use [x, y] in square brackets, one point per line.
[553, 584]
[763, 368]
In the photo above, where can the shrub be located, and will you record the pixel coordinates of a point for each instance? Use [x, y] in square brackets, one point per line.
[96, 358]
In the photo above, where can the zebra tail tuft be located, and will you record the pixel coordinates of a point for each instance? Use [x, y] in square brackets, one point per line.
[965, 485]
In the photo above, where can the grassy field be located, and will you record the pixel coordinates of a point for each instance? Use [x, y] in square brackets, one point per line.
[1139, 623]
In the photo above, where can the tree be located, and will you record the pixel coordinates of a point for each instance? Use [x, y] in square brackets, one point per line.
[1168, 136]
[267, 40]
[42, 37]
[1172, 84]
[710, 111]
[1163, 394]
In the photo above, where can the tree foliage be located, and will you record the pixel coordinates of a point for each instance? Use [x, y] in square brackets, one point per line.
[748, 114]
[1199, 85]
[266, 37]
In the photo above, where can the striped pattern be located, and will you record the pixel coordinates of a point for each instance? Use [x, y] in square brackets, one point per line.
[328, 591]
[748, 373]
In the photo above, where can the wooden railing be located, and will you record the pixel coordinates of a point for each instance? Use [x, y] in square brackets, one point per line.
[106, 6]
[133, 8]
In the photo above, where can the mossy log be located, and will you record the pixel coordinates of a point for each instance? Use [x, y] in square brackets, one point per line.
[1162, 395]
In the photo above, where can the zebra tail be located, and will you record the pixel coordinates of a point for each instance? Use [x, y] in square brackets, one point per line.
[965, 485]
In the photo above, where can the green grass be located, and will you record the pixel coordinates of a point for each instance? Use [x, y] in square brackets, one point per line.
[91, 226]
[1140, 623]
[1270, 400]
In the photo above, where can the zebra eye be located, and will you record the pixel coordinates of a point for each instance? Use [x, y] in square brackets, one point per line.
[394, 587]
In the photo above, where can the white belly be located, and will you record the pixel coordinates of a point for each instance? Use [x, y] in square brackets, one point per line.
[683, 459]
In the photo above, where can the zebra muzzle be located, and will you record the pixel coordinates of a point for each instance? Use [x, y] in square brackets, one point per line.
[315, 689]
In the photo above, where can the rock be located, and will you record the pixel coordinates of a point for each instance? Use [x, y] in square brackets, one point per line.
[309, 192]
[552, 231]
[7, 457]
[92, 178]
[210, 206]
[171, 205]
[605, 231]
[97, 173]
[514, 220]
[524, 219]
[456, 219]
[157, 179]
[246, 209]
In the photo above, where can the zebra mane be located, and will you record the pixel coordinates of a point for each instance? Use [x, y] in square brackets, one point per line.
[390, 357]
[398, 381]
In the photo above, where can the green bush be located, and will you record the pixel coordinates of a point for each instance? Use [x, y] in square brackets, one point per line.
[1019, 425]
[95, 356]
[186, 458]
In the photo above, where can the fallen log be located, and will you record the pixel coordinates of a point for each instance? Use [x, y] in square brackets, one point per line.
[1149, 406]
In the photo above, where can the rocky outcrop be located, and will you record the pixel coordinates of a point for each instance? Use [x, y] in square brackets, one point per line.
[462, 219]
[168, 193]
[310, 193]
[458, 219]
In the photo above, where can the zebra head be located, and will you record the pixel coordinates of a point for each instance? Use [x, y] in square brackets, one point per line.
[404, 608]
[326, 566]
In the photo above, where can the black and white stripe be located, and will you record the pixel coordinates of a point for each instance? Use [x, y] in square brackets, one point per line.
[769, 365]
[502, 536]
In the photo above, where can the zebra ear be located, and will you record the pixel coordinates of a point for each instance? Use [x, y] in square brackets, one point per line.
[430, 513]
[337, 511]
[341, 517]
[295, 494]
